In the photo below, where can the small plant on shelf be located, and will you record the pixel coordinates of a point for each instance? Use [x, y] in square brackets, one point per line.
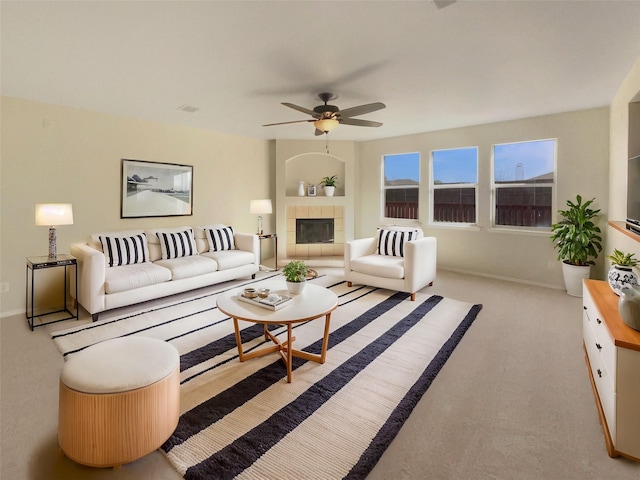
[331, 181]
[623, 259]
[295, 271]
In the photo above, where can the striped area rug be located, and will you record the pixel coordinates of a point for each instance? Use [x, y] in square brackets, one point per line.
[243, 420]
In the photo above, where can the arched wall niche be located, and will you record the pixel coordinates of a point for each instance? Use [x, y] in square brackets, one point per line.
[311, 168]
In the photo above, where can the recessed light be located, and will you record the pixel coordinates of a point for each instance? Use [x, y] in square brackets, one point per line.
[188, 108]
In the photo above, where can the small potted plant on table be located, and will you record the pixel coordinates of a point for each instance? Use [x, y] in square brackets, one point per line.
[329, 185]
[621, 273]
[295, 273]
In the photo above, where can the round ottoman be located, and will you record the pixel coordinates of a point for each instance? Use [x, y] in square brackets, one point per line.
[119, 400]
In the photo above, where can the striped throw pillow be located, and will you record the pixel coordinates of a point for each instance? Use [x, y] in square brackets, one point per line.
[125, 250]
[177, 244]
[220, 239]
[391, 242]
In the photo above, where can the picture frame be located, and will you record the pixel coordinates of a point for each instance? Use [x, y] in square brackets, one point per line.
[155, 189]
[311, 191]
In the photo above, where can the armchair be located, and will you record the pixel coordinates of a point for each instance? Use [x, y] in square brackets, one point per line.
[397, 258]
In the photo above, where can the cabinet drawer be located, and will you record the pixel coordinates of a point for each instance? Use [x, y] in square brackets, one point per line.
[601, 338]
[599, 367]
[608, 402]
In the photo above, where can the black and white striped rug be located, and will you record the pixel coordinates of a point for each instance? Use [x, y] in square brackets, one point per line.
[243, 420]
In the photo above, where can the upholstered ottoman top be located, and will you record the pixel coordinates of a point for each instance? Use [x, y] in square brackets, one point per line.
[119, 365]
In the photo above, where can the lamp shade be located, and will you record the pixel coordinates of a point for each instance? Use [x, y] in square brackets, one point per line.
[261, 206]
[54, 214]
[326, 125]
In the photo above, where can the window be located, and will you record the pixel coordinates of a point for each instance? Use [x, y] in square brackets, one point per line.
[454, 182]
[523, 181]
[401, 185]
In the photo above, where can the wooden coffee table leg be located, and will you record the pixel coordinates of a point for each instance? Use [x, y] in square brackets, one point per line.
[325, 339]
[238, 339]
[289, 352]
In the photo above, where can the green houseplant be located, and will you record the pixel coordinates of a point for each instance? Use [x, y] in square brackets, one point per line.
[330, 184]
[621, 273]
[578, 241]
[295, 273]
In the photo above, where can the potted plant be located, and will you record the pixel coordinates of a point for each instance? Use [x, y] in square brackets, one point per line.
[578, 241]
[295, 273]
[621, 273]
[330, 184]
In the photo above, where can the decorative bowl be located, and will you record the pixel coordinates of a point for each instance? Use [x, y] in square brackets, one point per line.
[250, 292]
[263, 292]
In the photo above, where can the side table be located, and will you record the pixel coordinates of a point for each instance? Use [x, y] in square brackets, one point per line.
[39, 263]
[266, 236]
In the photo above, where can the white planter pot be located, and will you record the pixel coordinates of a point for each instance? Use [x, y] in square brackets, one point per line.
[620, 277]
[295, 287]
[573, 276]
[329, 191]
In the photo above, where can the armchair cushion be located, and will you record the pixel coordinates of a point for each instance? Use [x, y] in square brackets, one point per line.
[392, 242]
[379, 265]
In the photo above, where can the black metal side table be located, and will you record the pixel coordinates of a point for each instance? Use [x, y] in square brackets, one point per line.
[266, 236]
[39, 263]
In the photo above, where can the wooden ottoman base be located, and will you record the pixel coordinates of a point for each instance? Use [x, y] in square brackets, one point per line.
[110, 429]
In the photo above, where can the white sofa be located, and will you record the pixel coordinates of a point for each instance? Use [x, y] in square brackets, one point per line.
[140, 268]
[397, 258]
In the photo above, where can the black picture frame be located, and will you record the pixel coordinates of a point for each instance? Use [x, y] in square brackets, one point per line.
[155, 189]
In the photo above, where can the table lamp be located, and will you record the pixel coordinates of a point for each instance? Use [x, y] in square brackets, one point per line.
[260, 207]
[53, 214]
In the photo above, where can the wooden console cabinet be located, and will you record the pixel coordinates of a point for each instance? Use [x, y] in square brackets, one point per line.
[612, 353]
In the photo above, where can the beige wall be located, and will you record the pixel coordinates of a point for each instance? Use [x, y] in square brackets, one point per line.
[619, 155]
[582, 168]
[59, 154]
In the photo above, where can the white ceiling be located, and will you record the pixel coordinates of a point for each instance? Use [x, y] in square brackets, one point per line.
[469, 63]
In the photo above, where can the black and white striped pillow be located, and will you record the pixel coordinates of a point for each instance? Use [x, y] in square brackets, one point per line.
[177, 244]
[391, 242]
[125, 250]
[220, 239]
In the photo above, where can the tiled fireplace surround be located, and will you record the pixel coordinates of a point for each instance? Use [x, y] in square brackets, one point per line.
[311, 250]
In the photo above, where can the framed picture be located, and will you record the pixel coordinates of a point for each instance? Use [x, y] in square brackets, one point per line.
[153, 189]
[311, 191]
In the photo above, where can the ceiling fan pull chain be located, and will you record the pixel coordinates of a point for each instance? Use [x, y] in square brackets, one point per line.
[326, 140]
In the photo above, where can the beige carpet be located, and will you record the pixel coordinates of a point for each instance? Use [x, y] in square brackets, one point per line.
[513, 402]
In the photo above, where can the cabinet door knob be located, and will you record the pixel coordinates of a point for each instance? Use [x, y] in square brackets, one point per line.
[584, 308]
[599, 321]
[599, 373]
[598, 346]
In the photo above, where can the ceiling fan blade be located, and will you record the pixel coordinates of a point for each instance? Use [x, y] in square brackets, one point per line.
[359, 123]
[301, 109]
[362, 109]
[286, 123]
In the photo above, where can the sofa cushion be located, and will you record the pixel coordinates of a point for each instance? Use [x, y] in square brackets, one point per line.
[227, 259]
[220, 239]
[125, 250]
[379, 266]
[177, 244]
[129, 277]
[391, 242]
[191, 266]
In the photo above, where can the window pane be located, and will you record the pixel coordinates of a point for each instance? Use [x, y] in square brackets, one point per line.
[401, 203]
[525, 162]
[523, 206]
[401, 185]
[454, 205]
[457, 165]
[402, 169]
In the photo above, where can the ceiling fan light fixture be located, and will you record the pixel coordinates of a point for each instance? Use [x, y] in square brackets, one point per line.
[326, 124]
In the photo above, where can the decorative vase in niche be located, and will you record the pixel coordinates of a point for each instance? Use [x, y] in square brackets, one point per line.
[329, 190]
[620, 276]
[301, 188]
[295, 287]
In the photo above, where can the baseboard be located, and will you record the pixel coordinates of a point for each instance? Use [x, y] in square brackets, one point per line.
[500, 277]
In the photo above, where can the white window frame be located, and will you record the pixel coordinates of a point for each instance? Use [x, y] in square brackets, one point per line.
[433, 187]
[384, 188]
[495, 187]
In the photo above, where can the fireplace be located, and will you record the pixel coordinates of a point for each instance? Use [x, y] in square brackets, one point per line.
[314, 230]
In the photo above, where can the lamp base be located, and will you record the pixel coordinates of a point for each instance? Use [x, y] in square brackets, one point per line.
[52, 243]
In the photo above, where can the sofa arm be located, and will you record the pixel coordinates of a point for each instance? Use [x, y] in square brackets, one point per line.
[420, 262]
[91, 277]
[249, 243]
[356, 249]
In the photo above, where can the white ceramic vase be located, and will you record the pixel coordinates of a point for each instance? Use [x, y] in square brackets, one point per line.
[620, 277]
[295, 287]
[301, 188]
[573, 276]
[329, 190]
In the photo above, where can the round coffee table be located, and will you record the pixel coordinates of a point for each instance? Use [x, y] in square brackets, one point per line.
[314, 302]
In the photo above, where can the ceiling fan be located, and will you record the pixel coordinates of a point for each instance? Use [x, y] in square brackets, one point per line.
[327, 117]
